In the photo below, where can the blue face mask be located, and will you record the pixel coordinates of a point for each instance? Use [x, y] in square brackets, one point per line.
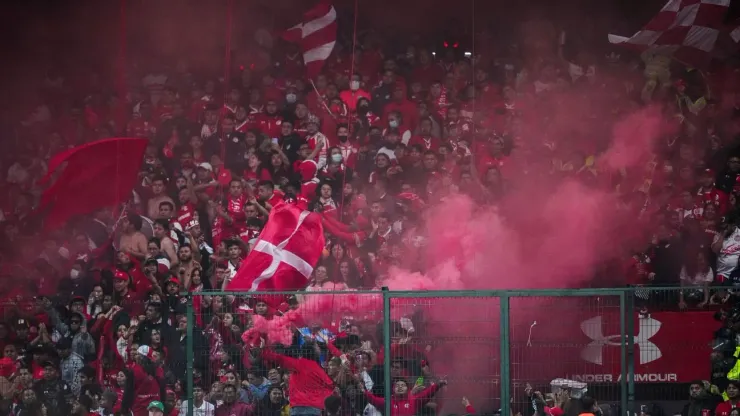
[336, 158]
[393, 124]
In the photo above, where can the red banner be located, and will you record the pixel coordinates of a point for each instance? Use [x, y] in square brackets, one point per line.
[668, 347]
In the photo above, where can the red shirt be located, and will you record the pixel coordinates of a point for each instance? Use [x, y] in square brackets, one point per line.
[185, 214]
[724, 408]
[277, 196]
[309, 384]
[350, 97]
[267, 124]
[714, 196]
[408, 111]
[235, 208]
[217, 231]
[139, 127]
[487, 161]
[146, 389]
[262, 174]
[428, 74]
[426, 142]
[349, 154]
[408, 405]
[234, 409]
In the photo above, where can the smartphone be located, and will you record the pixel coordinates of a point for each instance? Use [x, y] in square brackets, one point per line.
[274, 140]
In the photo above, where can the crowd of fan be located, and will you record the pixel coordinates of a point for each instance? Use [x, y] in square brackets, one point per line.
[98, 324]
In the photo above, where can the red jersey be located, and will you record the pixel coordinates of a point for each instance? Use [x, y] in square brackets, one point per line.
[268, 124]
[426, 142]
[308, 192]
[313, 141]
[714, 196]
[139, 127]
[262, 174]
[277, 196]
[724, 408]
[408, 405]
[163, 112]
[217, 231]
[408, 110]
[309, 385]
[426, 75]
[349, 154]
[185, 214]
[235, 208]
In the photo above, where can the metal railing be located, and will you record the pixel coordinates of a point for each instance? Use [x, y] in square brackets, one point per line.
[488, 344]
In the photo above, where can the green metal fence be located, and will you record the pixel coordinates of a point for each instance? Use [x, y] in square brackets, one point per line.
[490, 346]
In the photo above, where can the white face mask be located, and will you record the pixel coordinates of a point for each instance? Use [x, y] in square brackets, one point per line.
[290, 98]
[354, 85]
[393, 124]
[74, 273]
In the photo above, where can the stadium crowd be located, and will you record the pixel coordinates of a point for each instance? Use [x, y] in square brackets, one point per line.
[99, 324]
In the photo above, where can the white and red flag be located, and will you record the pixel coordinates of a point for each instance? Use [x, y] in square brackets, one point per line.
[284, 256]
[686, 29]
[316, 35]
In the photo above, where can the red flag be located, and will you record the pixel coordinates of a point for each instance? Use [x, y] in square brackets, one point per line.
[686, 29]
[285, 253]
[316, 35]
[97, 175]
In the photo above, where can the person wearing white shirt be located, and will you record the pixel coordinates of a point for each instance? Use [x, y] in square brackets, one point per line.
[696, 276]
[200, 406]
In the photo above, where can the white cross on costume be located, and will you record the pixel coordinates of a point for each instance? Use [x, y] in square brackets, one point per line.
[280, 255]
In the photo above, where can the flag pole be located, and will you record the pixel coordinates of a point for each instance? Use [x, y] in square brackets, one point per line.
[326, 107]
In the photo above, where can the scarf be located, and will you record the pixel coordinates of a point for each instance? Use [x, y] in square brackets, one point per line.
[207, 131]
[441, 103]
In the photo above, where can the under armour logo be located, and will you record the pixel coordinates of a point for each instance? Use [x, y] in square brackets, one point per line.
[594, 351]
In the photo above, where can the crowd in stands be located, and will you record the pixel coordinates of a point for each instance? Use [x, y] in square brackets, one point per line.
[93, 316]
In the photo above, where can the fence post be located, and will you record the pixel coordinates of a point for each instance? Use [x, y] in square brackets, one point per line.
[387, 350]
[505, 374]
[623, 335]
[630, 350]
[189, 353]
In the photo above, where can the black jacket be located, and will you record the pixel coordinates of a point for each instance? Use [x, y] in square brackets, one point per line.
[55, 395]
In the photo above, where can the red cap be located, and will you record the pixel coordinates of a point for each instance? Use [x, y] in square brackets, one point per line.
[120, 275]
[174, 280]
[7, 367]
[224, 177]
[77, 299]
[709, 172]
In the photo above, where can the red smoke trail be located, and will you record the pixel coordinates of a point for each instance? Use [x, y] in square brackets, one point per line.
[546, 233]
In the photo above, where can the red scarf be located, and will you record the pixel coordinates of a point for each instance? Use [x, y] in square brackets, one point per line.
[441, 103]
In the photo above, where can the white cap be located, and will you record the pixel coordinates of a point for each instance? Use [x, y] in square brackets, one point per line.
[207, 166]
[145, 351]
